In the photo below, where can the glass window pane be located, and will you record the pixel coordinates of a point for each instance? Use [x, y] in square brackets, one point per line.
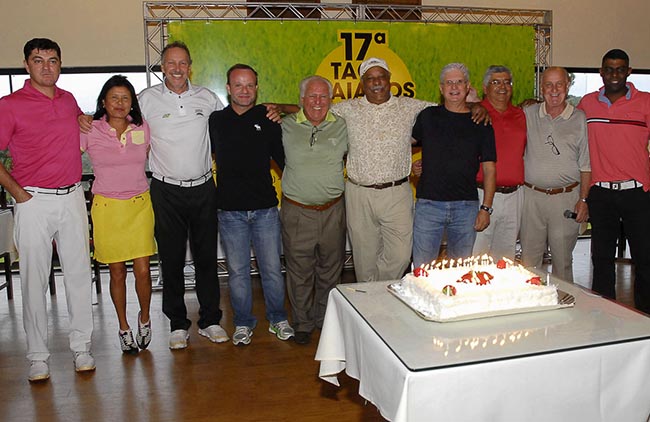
[86, 86]
[585, 83]
[4, 85]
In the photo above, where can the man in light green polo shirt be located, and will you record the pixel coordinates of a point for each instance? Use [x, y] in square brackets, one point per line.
[313, 212]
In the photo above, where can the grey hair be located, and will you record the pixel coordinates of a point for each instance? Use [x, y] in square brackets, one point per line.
[495, 69]
[310, 79]
[454, 66]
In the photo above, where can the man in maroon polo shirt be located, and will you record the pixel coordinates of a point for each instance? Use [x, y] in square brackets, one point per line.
[509, 124]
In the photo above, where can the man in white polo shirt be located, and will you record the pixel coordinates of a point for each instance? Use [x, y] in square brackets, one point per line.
[183, 192]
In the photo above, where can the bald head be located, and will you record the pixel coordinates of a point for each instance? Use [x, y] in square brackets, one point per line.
[555, 89]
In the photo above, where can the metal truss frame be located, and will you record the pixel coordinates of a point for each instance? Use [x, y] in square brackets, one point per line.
[158, 14]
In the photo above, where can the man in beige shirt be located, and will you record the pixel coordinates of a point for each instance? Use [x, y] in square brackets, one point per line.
[378, 197]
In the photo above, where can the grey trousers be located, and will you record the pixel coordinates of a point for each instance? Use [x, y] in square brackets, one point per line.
[314, 254]
[543, 224]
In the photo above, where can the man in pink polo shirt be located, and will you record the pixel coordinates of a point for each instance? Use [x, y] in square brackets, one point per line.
[38, 124]
[618, 122]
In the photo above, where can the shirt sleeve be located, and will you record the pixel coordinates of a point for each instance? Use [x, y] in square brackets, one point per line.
[84, 142]
[277, 149]
[417, 129]
[213, 128]
[339, 108]
[147, 132]
[488, 146]
[583, 146]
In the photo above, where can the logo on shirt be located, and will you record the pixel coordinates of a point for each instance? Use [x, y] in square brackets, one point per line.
[199, 112]
[257, 127]
[166, 115]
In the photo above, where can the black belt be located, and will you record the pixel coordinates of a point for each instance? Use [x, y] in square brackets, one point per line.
[502, 189]
[381, 185]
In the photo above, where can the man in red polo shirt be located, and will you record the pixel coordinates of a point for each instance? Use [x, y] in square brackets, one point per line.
[509, 124]
[38, 124]
[618, 123]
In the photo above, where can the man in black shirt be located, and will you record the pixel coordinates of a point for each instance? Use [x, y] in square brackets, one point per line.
[453, 147]
[244, 141]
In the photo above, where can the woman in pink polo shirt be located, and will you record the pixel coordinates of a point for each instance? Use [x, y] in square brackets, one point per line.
[121, 212]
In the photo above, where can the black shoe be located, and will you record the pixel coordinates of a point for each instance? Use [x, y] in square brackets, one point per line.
[302, 337]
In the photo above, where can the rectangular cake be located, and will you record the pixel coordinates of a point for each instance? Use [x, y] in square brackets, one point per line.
[466, 287]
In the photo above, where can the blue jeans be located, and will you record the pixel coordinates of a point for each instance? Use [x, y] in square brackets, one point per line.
[431, 220]
[261, 228]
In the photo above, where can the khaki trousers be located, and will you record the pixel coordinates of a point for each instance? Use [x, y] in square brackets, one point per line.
[380, 228]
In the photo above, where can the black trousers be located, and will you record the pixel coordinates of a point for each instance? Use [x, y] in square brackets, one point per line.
[180, 211]
[606, 209]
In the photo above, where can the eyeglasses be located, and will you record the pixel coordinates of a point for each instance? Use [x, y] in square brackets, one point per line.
[313, 139]
[454, 83]
[550, 141]
[497, 82]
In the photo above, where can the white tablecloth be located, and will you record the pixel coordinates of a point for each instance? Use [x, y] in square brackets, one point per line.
[489, 376]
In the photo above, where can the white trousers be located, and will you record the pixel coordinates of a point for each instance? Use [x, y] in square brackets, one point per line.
[499, 239]
[39, 221]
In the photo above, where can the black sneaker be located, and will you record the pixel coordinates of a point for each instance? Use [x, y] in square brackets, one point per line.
[302, 337]
[143, 336]
[126, 342]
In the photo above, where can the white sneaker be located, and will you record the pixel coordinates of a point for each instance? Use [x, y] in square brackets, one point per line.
[83, 361]
[178, 339]
[214, 333]
[143, 336]
[127, 344]
[282, 330]
[39, 370]
[242, 335]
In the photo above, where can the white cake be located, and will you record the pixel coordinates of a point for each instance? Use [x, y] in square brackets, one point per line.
[471, 288]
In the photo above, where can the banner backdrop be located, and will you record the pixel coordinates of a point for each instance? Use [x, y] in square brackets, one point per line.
[285, 52]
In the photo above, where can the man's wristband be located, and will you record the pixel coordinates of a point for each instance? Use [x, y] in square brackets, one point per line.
[487, 209]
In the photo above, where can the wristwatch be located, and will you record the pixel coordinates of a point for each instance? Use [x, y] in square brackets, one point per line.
[486, 208]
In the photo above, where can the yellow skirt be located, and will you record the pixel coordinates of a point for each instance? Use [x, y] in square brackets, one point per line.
[122, 228]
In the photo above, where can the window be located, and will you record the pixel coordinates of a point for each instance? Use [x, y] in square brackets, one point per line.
[586, 82]
[84, 86]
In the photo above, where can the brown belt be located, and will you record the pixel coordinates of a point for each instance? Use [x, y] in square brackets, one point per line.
[321, 207]
[502, 189]
[553, 191]
[381, 185]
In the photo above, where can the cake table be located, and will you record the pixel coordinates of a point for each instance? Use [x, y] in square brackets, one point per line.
[589, 362]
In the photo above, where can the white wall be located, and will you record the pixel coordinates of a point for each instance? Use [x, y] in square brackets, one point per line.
[98, 33]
